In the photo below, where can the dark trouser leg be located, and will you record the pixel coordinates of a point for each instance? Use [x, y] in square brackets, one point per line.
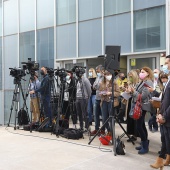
[141, 126]
[79, 112]
[97, 113]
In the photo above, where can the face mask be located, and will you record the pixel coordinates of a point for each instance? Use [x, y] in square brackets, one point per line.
[42, 72]
[164, 83]
[67, 78]
[155, 75]
[165, 69]
[90, 74]
[130, 79]
[142, 75]
[108, 78]
[98, 74]
[122, 78]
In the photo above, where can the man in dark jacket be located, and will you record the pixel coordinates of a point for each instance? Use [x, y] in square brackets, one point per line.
[45, 91]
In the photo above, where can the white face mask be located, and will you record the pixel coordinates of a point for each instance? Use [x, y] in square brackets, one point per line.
[108, 77]
[164, 84]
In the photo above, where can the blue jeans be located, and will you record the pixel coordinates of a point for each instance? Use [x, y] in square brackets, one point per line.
[90, 108]
[141, 128]
[97, 113]
[106, 106]
[47, 108]
[152, 122]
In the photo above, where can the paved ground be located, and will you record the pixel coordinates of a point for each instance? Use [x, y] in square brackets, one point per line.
[22, 150]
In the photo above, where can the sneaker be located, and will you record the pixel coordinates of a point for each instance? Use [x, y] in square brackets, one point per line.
[93, 132]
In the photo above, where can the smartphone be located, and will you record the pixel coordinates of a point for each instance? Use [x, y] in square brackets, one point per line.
[146, 85]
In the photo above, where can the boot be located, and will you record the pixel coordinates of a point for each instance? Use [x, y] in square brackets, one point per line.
[158, 164]
[140, 147]
[167, 161]
[144, 148]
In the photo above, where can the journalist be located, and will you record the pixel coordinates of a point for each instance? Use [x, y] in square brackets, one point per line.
[45, 91]
[35, 98]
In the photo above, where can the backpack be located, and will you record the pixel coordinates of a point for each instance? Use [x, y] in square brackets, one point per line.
[23, 118]
[120, 147]
[73, 133]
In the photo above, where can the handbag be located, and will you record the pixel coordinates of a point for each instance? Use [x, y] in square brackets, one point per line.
[137, 112]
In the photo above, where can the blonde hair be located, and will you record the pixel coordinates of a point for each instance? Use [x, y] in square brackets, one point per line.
[93, 73]
[135, 76]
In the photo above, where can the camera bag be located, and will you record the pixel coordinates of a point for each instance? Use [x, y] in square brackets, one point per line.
[23, 117]
[73, 133]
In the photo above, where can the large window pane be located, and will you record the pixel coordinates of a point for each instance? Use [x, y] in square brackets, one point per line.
[10, 59]
[0, 17]
[92, 6]
[27, 15]
[149, 29]
[146, 4]
[117, 31]
[46, 20]
[45, 47]
[116, 6]
[66, 41]
[66, 11]
[0, 63]
[10, 17]
[90, 38]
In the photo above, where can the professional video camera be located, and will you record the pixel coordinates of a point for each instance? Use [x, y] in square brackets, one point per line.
[78, 70]
[50, 71]
[62, 73]
[30, 65]
[17, 73]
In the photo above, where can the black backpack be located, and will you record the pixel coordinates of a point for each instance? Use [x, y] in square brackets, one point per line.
[120, 147]
[23, 118]
[73, 133]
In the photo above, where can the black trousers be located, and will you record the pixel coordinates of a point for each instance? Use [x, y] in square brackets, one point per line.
[81, 107]
[165, 139]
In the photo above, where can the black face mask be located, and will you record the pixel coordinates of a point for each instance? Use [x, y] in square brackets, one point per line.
[42, 72]
[122, 78]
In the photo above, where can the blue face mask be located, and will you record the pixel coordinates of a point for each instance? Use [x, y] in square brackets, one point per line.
[90, 74]
[155, 75]
[98, 74]
[165, 69]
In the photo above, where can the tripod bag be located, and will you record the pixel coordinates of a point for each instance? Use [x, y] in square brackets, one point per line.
[22, 117]
[73, 133]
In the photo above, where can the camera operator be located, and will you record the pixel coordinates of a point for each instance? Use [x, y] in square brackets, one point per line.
[69, 99]
[35, 98]
[45, 92]
[83, 94]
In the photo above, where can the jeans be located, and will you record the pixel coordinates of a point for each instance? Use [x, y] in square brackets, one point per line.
[141, 128]
[106, 106]
[152, 122]
[165, 139]
[97, 113]
[90, 108]
[47, 107]
[81, 107]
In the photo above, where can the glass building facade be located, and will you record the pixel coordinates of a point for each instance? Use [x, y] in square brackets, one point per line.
[62, 30]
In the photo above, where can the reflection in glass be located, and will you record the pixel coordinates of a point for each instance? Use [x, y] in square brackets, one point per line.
[116, 6]
[149, 29]
[45, 47]
[66, 11]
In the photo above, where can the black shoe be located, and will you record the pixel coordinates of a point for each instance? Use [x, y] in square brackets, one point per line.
[150, 128]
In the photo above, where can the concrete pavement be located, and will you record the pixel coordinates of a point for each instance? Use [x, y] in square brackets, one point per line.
[42, 151]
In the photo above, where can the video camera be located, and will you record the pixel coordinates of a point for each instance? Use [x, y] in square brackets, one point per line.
[78, 70]
[18, 73]
[50, 71]
[30, 66]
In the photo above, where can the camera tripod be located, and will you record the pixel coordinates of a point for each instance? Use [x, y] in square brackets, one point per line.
[15, 101]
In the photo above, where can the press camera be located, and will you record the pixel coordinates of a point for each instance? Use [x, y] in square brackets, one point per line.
[78, 70]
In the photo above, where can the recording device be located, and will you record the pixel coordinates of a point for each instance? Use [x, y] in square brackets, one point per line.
[31, 67]
[78, 70]
[17, 72]
[146, 85]
[62, 73]
[50, 71]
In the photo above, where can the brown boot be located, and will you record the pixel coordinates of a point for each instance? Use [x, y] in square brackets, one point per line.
[158, 164]
[167, 161]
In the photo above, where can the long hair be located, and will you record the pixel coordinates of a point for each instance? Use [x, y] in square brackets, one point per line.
[162, 75]
[149, 71]
[93, 73]
[135, 76]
